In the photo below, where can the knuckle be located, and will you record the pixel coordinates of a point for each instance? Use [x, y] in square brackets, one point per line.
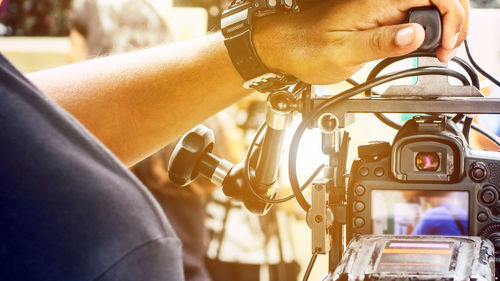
[377, 41]
[465, 31]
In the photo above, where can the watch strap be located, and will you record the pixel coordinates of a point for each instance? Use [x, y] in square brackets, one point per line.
[236, 25]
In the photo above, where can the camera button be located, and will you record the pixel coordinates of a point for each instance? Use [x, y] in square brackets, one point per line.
[379, 171]
[359, 206]
[359, 222]
[364, 172]
[488, 195]
[482, 217]
[359, 190]
[478, 171]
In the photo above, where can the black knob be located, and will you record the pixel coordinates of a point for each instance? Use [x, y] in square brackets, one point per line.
[430, 19]
[374, 150]
[482, 217]
[191, 156]
[488, 195]
[478, 171]
[192, 147]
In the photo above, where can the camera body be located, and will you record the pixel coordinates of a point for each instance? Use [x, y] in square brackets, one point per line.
[429, 182]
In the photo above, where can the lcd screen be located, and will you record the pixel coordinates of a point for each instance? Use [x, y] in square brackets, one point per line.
[420, 212]
[410, 257]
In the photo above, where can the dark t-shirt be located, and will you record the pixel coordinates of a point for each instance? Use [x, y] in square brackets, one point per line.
[68, 209]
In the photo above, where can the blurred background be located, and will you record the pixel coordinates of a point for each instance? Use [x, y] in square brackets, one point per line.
[223, 241]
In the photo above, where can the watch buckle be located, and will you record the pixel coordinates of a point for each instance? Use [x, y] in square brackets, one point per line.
[259, 80]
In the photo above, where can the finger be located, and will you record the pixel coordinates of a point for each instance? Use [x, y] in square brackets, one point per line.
[453, 19]
[445, 54]
[465, 27]
[382, 42]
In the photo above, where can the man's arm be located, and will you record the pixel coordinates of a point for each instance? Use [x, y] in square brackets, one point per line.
[138, 102]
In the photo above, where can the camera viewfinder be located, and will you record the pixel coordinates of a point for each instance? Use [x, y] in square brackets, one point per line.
[427, 161]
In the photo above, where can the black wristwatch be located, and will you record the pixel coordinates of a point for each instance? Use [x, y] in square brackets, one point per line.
[236, 26]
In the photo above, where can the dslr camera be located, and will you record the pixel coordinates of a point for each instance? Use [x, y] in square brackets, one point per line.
[429, 182]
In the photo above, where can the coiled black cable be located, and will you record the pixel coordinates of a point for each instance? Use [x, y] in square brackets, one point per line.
[292, 155]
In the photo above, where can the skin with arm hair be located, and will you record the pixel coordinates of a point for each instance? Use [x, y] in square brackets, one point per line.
[138, 102]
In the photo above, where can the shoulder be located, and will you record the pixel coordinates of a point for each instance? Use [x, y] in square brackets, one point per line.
[71, 208]
[159, 259]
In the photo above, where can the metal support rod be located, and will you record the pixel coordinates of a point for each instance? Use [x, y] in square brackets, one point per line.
[336, 194]
[466, 105]
[267, 167]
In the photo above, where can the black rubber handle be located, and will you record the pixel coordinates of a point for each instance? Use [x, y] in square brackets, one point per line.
[430, 19]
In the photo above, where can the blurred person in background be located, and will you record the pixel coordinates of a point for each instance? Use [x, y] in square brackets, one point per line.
[246, 247]
[442, 216]
[33, 17]
[103, 27]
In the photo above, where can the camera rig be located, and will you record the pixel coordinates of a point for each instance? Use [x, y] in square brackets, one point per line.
[337, 209]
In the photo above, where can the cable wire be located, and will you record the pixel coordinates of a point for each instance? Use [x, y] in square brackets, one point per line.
[491, 136]
[386, 62]
[477, 67]
[458, 118]
[466, 128]
[386, 120]
[310, 267]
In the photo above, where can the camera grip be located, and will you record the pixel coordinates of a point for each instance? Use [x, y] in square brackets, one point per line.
[430, 19]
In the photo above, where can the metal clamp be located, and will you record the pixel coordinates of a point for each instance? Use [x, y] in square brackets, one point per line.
[279, 110]
[319, 218]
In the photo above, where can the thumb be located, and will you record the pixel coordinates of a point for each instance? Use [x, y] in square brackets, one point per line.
[385, 41]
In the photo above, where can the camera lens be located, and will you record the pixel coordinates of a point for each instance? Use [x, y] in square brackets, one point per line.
[427, 161]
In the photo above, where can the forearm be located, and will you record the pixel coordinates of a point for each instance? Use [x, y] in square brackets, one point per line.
[138, 102]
